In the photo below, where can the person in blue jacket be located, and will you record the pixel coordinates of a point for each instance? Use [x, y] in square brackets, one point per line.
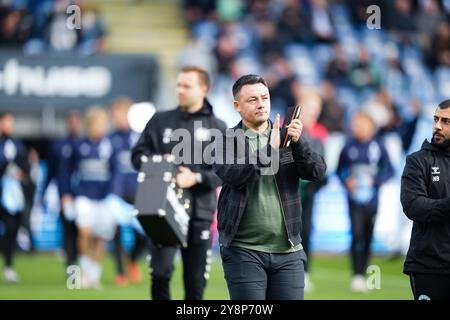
[125, 185]
[14, 167]
[90, 177]
[363, 167]
[60, 154]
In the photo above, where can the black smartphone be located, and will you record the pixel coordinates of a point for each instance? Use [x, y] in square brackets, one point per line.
[291, 114]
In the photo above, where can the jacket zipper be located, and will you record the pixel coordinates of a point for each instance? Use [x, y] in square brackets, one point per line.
[282, 211]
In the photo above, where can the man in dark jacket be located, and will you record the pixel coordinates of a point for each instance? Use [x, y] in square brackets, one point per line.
[60, 154]
[259, 209]
[363, 168]
[14, 167]
[195, 116]
[425, 197]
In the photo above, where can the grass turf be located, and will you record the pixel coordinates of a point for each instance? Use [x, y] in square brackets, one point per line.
[42, 277]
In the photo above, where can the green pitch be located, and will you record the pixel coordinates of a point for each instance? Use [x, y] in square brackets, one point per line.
[42, 277]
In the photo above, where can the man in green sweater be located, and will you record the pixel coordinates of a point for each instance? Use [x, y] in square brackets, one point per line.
[259, 209]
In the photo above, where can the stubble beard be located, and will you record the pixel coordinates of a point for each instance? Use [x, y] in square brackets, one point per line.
[445, 145]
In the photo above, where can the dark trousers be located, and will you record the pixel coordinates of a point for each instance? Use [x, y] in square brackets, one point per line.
[430, 286]
[139, 245]
[70, 234]
[254, 275]
[362, 221]
[118, 251]
[29, 189]
[11, 223]
[26, 223]
[196, 259]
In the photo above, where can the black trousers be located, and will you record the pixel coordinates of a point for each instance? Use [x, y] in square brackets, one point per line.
[29, 189]
[254, 275]
[196, 259]
[118, 251]
[11, 223]
[362, 221]
[70, 234]
[430, 286]
[139, 245]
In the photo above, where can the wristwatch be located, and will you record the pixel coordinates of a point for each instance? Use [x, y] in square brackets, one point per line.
[198, 178]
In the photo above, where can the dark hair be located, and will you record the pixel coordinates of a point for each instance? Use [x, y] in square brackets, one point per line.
[245, 80]
[202, 74]
[444, 104]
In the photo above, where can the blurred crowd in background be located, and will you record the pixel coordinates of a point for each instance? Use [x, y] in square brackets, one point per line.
[39, 26]
[326, 48]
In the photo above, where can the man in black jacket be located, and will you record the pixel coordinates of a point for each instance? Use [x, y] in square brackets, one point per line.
[14, 168]
[425, 197]
[195, 115]
[259, 209]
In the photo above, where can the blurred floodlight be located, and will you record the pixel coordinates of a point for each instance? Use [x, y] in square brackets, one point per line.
[139, 114]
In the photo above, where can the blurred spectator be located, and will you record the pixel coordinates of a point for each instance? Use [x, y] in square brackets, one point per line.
[15, 27]
[40, 10]
[321, 21]
[14, 167]
[230, 10]
[283, 84]
[316, 135]
[198, 52]
[408, 126]
[382, 111]
[124, 185]
[92, 163]
[198, 10]
[364, 74]
[93, 31]
[338, 70]
[363, 167]
[394, 78]
[294, 24]
[401, 21]
[222, 93]
[29, 186]
[89, 38]
[446, 7]
[258, 10]
[388, 118]
[56, 35]
[332, 113]
[226, 50]
[60, 155]
[439, 53]
[311, 101]
[358, 10]
[269, 42]
[428, 19]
